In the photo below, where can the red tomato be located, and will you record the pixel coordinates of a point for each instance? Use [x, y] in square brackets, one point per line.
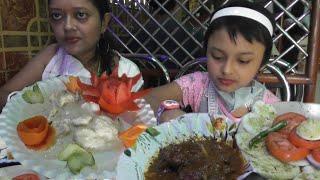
[279, 146]
[316, 154]
[27, 176]
[293, 119]
[296, 140]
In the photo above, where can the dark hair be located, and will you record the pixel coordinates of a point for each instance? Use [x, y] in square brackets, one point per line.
[169, 5]
[106, 42]
[248, 28]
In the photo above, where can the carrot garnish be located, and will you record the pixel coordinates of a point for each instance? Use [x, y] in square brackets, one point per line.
[34, 130]
[129, 136]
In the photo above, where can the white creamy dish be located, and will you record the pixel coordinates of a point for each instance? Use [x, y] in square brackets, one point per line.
[72, 116]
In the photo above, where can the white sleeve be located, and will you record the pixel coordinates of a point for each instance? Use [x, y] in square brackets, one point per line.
[130, 69]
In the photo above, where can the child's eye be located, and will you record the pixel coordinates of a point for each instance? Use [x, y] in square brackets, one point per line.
[244, 61]
[56, 16]
[81, 15]
[216, 57]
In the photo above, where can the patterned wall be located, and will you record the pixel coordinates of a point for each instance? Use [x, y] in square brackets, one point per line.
[23, 31]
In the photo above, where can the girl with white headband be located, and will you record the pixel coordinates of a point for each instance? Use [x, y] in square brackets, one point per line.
[238, 42]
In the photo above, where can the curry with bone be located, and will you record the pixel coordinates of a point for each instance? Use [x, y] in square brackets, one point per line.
[196, 159]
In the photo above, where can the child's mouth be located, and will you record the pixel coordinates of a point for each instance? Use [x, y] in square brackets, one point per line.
[226, 82]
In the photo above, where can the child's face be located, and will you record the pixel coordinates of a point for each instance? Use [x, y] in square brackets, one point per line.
[232, 65]
[76, 25]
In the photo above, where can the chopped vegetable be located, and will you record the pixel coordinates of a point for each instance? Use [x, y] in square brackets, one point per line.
[26, 176]
[316, 155]
[309, 130]
[129, 136]
[72, 85]
[112, 93]
[76, 157]
[298, 141]
[293, 120]
[259, 137]
[280, 147]
[33, 96]
[127, 152]
[313, 161]
[34, 130]
[152, 131]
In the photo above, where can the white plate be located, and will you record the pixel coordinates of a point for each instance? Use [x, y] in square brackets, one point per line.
[188, 125]
[262, 162]
[46, 163]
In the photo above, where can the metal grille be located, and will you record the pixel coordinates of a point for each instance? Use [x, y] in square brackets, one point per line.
[158, 29]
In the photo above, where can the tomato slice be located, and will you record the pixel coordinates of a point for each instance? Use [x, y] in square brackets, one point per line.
[296, 140]
[94, 80]
[293, 119]
[27, 176]
[279, 146]
[316, 154]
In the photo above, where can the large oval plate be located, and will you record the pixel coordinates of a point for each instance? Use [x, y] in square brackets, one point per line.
[182, 128]
[46, 163]
[262, 162]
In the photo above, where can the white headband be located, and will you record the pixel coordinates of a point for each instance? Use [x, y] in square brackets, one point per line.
[244, 12]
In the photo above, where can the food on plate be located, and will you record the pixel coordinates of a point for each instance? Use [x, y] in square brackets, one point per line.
[309, 130]
[196, 159]
[26, 176]
[260, 137]
[33, 95]
[101, 134]
[36, 133]
[261, 161]
[293, 119]
[316, 155]
[281, 148]
[129, 136]
[34, 130]
[260, 118]
[299, 141]
[76, 157]
[72, 84]
[152, 131]
[112, 93]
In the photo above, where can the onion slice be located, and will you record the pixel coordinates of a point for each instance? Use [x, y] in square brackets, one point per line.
[313, 162]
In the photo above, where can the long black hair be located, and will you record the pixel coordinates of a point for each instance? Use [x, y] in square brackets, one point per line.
[250, 29]
[106, 44]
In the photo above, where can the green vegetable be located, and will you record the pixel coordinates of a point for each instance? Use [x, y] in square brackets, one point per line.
[76, 157]
[259, 137]
[127, 152]
[152, 131]
[33, 96]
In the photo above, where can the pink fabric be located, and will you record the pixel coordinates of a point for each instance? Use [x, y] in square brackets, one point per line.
[270, 98]
[195, 84]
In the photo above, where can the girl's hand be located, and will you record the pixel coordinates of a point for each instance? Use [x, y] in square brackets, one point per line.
[240, 111]
[169, 115]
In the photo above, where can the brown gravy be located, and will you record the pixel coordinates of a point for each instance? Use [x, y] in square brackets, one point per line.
[196, 159]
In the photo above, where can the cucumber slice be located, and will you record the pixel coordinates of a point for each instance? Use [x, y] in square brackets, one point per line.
[33, 96]
[309, 130]
[77, 158]
[69, 150]
[75, 164]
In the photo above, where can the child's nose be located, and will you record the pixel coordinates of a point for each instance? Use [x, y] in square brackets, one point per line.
[227, 67]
